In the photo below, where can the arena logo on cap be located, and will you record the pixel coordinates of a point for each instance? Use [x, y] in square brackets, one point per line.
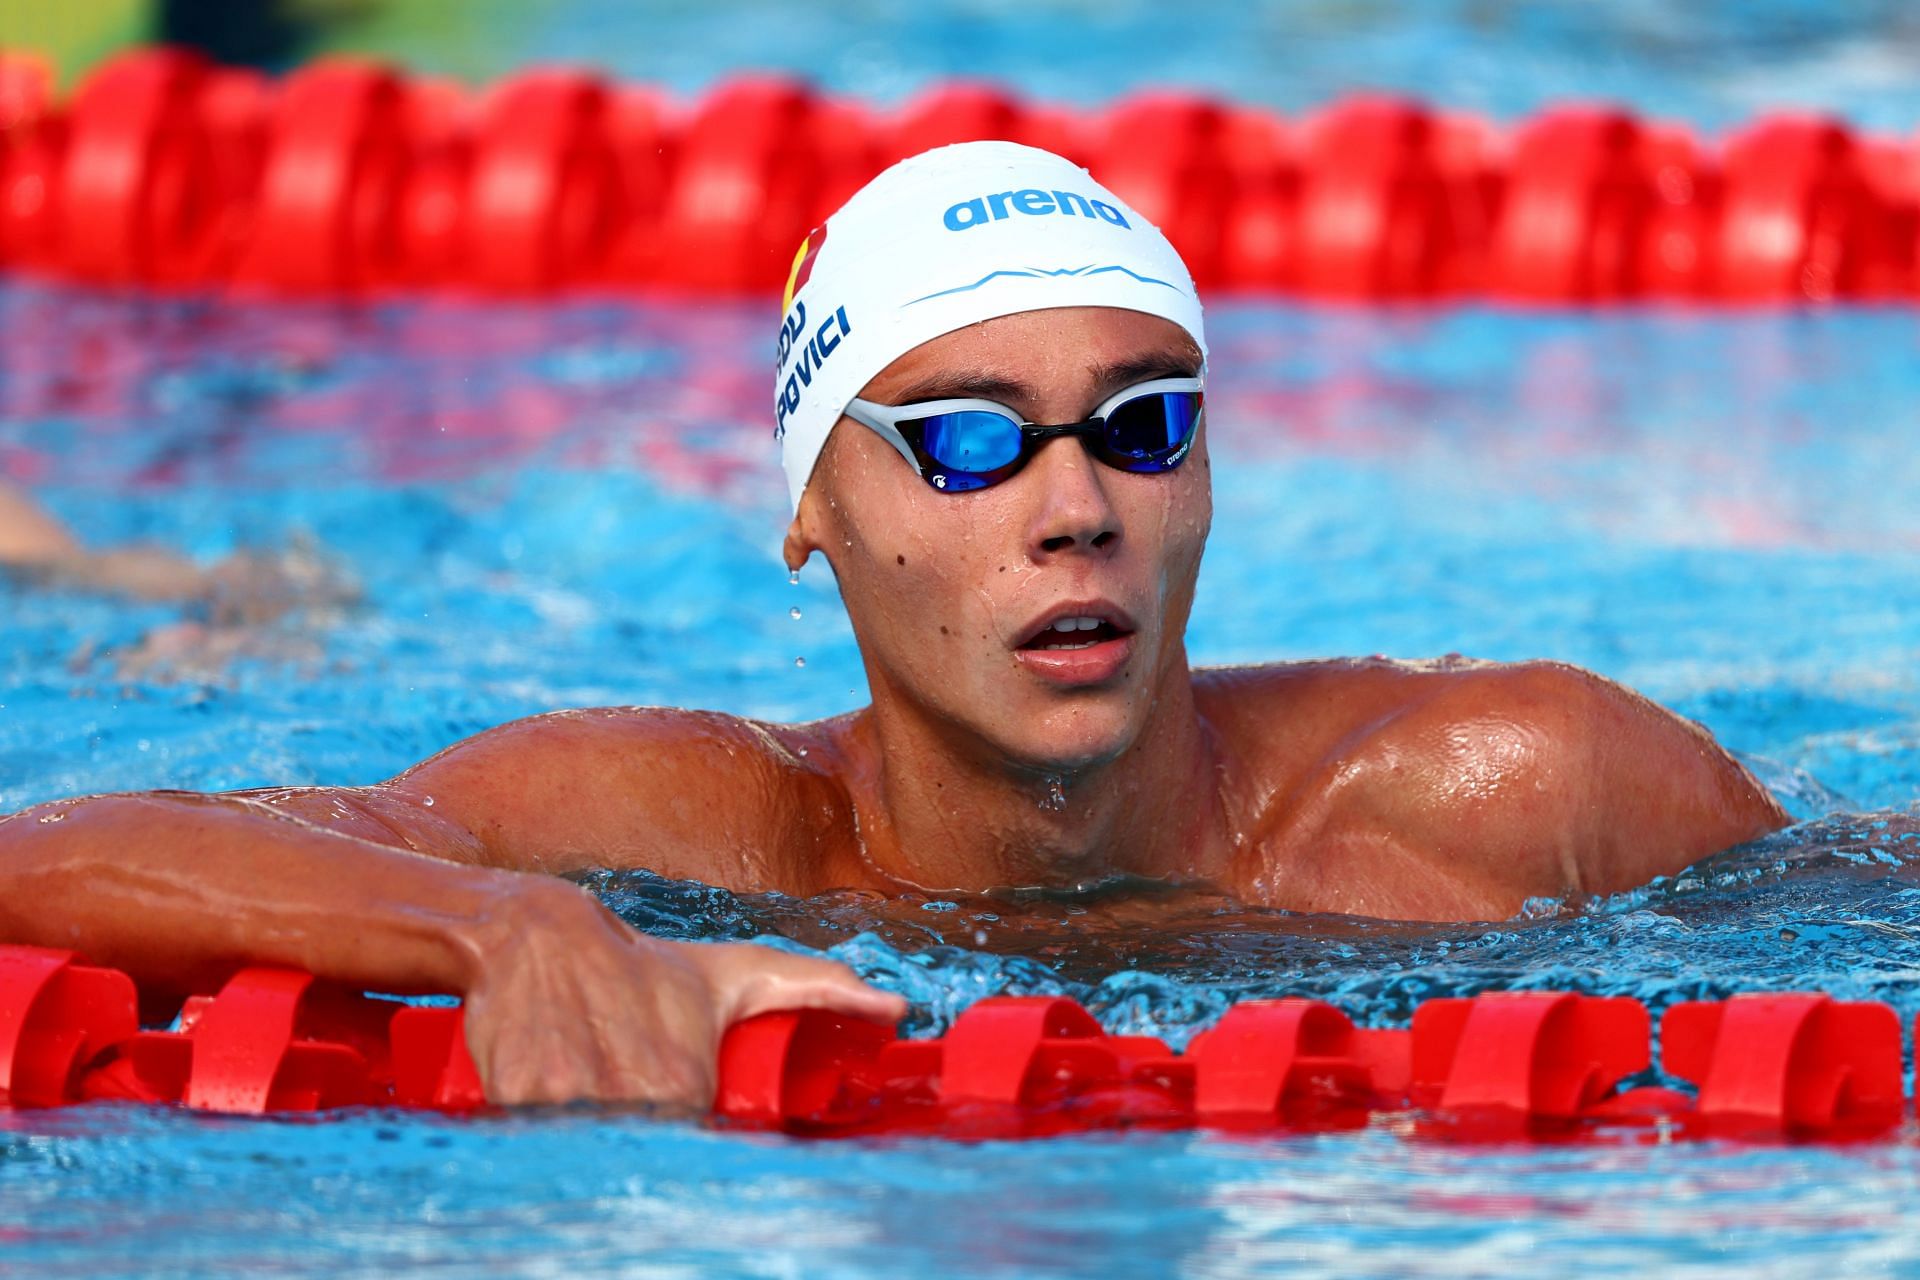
[1034, 203]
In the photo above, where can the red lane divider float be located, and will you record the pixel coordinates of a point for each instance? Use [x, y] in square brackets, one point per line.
[56, 1017]
[348, 178]
[1500, 1067]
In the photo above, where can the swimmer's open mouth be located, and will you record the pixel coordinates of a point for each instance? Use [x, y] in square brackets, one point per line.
[1078, 628]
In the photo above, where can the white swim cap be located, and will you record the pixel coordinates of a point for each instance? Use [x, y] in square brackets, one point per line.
[946, 239]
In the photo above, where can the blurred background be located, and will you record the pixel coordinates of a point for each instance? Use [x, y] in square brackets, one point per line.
[312, 538]
[1711, 63]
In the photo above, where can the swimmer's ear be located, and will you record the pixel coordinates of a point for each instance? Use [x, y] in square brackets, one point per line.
[812, 526]
[803, 533]
[796, 549]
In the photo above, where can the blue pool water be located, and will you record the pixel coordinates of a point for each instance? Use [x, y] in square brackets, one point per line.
[570, 505]
[546, 506]
[1711, 62]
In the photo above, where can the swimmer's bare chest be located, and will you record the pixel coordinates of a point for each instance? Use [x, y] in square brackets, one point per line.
[1445, 790]
[1454, 789]
[1306, 753]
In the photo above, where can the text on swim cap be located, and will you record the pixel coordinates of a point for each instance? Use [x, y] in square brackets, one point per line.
[1003, 204]
[813, 351]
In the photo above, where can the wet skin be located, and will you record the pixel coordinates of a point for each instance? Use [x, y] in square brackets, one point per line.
[999, 751]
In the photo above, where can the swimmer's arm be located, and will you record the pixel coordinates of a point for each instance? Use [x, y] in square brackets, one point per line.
[244, 587]
[34, 543]
[179, 888]
[29, 535]
[687, 794]
[1664, 793]
[564, 1000]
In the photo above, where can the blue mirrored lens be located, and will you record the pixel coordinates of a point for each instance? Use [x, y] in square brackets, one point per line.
[971, 441]
[1143, 434]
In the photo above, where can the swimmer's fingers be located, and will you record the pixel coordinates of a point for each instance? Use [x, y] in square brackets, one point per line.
[751, 980]
[580, 1007]
[630, 1022]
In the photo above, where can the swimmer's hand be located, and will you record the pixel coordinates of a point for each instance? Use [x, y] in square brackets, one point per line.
[572, 1004]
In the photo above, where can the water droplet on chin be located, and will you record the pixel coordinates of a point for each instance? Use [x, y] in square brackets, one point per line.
[793, 577]
[58, 815]
[427, 801]
[1055, 800]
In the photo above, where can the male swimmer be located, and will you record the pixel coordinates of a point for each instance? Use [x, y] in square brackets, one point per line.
[1020, 595]
[231, 603]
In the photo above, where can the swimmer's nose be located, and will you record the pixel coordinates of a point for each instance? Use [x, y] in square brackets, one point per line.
[1072, 511]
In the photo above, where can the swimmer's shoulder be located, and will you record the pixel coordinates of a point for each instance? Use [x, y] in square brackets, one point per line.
[1341, 696]
[1350, 774]
[693, 794]
[1312, 706]
[1454, 787]
[1294, 724]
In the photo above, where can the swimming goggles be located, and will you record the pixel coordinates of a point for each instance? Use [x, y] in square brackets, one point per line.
[958, 446]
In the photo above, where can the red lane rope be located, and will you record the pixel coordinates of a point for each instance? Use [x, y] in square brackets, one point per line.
[349, 177]
[1505, 1066]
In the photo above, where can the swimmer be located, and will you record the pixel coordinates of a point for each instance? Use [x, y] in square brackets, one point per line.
[235, 599]
[1020, 595]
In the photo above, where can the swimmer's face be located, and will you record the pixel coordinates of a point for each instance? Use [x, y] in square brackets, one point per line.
[952, 595]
